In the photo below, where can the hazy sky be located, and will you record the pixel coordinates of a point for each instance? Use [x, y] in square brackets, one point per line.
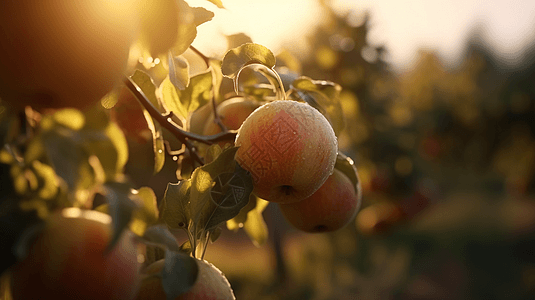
[403, 26]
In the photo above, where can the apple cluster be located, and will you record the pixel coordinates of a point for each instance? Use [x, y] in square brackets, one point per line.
[290, 149]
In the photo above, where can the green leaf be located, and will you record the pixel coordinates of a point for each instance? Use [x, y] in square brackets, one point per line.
[175, 209]
[235, 59]
[215, 67]
[238, 39]
[255, 226]
[49, 183]
[145, 83]
[251, 220]
[346, 165]
[100, 145]
[238, 221]
[70, 118]
[160, 235]
[171, 97]
[178, 274]
[120, 144]
[121, 208]
[97, 118]
[324, 96]
[188, 20]
[69, 159]
[195, 95]
[178, 71]
[219, 190]
[217, 3]
[147, 214]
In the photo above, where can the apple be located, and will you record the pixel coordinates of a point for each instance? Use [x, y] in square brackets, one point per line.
[68, 260]
[330, 208]
[232, 113]
[64, 53]
[211, 284]
[289, 148]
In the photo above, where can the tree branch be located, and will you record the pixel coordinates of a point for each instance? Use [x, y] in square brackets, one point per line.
[166, 122]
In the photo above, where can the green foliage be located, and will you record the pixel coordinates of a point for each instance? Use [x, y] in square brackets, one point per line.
[184, 102]
[144, 81]
[215, 193]
[324, 96]
[237, 58]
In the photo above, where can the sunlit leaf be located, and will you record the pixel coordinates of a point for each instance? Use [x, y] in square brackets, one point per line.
[238, 39]
[175, 210]
[217, 3]
[346, 165]
[251, 220]
[184, 102]
[188, 20]
[236, 58]
[145, 83]
[219, 190]
[323, 95]
[255, 226]
[215, 66]
[47, 177]
[147, 213]
[96, 118]
[70, 118]
[121, 146]
[186, 247]
[289, 60]
[171, 97]
[179, 274]
[178, 71]
[237, 222]
[68, 158]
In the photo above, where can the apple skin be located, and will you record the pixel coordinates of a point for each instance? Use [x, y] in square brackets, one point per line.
[64, 53]
[211, 284]
[330, 208]
[67, 261]
[233, 113]
[290, 149]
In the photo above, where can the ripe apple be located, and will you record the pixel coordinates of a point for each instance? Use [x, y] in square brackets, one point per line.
[211, 284]
[290, 149]
[68, 261]
[63, 53]
[330, 208]
[232, 113]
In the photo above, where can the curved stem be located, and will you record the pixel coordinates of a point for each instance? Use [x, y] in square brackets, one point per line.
[270, 74]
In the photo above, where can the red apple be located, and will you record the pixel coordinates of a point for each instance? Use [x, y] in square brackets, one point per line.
[68, 261]
[330, 208]
[290, 149]
[211, 284]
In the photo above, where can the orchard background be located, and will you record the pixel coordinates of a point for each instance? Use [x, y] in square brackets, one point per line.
[445, 158]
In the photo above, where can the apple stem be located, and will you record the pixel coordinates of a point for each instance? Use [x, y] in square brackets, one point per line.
[271, 75]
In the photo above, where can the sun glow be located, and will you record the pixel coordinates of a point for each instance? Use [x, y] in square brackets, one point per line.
[276, 24]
